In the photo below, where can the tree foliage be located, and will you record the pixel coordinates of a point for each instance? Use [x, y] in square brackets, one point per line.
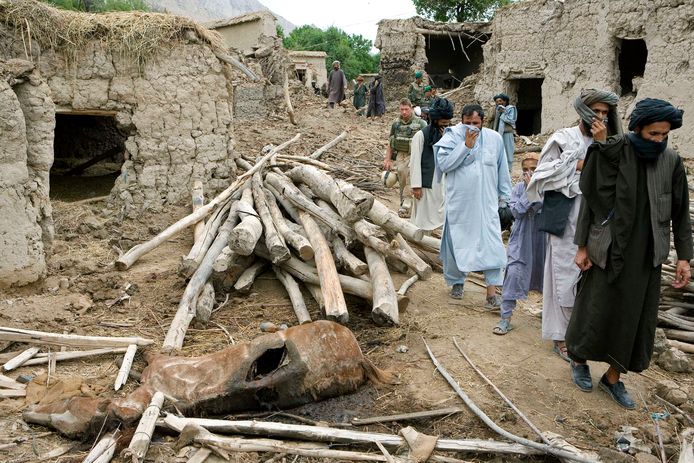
[352, 51]
[99, 6]
[458, 10]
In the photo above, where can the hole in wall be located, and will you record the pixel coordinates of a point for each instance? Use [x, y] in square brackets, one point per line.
[529, 104]
[632, 58]
[447, 64]
[88, 154]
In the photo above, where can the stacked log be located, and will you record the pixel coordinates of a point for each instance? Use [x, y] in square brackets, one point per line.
[291, 215]
[676, 315]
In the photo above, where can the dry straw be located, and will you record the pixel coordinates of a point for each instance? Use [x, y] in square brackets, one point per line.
[134, 35]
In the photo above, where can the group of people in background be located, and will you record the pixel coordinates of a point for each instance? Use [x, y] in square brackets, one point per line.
[369, 98]
[592, 218]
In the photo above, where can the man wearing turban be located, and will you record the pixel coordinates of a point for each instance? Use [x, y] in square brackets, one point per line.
[427, 208]
[634, 190]
[503, 120]
[555, 183]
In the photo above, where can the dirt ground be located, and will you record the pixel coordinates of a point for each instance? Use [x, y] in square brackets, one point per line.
[521, 364]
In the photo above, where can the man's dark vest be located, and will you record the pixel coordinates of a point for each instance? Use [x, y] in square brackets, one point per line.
[428, 161]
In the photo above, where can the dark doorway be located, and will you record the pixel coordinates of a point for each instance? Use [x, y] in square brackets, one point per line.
[633, 55]
[529, 104]
[451, 58]
[88, 155]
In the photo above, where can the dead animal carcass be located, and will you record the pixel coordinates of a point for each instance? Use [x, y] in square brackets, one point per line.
[305, 363]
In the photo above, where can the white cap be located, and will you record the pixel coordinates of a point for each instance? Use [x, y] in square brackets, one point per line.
[417, 111]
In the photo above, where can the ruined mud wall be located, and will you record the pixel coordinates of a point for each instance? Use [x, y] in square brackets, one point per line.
[403, 47]
[574, 45]
[27, 117]
[176, 110]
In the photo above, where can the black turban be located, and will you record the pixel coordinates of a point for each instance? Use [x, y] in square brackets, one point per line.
[503, 96]
[652, 110]
[441, 108]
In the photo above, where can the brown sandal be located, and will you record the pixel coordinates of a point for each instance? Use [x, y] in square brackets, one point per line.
[561, 350]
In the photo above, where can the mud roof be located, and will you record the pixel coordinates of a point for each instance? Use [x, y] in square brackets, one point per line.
[307, 54]
[421, 25]
[135, 34]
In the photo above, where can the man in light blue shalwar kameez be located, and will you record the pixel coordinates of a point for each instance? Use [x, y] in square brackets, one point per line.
[477, 184]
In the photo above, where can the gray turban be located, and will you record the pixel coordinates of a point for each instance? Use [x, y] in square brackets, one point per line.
[591, 96]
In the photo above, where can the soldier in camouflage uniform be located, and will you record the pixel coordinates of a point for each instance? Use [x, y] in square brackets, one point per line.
[416, 93]
[401, 133]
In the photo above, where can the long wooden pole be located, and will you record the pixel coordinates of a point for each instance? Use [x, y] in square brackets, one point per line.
[74, 340]
[145, 429]
[319, 152]
[295, 295]
[385, 301]
[347, 436]
[197, 199]
[129, 258]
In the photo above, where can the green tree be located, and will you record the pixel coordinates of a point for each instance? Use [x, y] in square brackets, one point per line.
[100, 6]
[353, 51]
[458, 10]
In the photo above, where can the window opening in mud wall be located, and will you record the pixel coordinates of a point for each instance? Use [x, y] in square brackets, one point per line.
[88, 155]
[451, 58]
[528, 93]
[300, 74]
[633, 55]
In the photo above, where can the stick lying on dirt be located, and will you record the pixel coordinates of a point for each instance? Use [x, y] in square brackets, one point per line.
[42, 358]
[501, 394]
[488, 421]
[130, 257]
[319, 152]
[326, 434]
[145, 429]
[406, 416]
[20, 359]
[73, 340]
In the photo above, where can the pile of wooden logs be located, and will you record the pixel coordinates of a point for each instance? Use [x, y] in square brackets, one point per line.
[290, 213]
[676, 315]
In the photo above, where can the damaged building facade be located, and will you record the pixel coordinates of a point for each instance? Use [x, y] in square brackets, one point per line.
[543, 52]
[159, 121]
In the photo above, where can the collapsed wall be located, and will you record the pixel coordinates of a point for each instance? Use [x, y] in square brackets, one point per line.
[26, 124]
[448, 52]
[543, 52]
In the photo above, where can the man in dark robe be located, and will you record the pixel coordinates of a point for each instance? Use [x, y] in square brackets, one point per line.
[377, 103]
[337, 82]
[633, 188]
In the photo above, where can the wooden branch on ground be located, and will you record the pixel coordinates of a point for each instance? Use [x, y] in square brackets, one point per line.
[245, 235]
[407, 283]
[62, 356]
[145, 429]
[346, 436]
[104, 450]
[382, 216]
[205, 304]
[245, 281]
[125, 366]
[683, 346]
[502, 395]
[288, 100]
[286, 189]
[385, 301]
[406, 416]
[335, 305]
[12, 393]
[186, 308]
[273, 240]
[294, 295]
[191, 262]
[197, 199]
[366, 236]
[492, 425]
[21, 358]
[317, 295]
[129, 258]
[295, 240]
[346, 260]
[70, 340]
[319, 152]
[351, 202]
[679, 335]
[9, 383]
[405, 247]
